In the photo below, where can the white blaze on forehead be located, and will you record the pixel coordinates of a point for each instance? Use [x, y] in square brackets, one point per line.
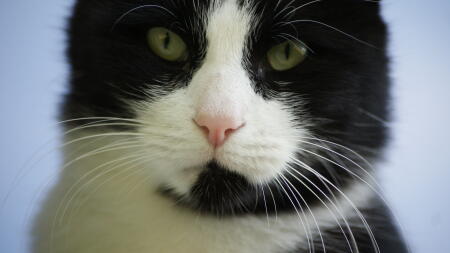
[222, 87]
[227, 30]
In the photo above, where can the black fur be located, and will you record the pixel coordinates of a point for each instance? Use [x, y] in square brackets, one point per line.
[344, 81]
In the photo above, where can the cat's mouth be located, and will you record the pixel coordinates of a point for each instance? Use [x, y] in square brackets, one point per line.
[217, 190]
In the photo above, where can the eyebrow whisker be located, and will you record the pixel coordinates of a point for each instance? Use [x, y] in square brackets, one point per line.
[331, 27]
[138, 8]
[300, 7]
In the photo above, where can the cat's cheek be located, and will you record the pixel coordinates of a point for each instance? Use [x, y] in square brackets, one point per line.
[175, 146]
[263, 149]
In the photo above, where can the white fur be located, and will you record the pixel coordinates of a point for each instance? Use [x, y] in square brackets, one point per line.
[91, 209]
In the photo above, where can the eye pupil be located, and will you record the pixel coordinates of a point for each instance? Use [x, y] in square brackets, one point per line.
[287, 51]
[167, 41]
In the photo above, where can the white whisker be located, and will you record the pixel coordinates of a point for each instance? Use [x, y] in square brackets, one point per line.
[332, 28]
[347, 170]
[138, 8]
[304, 223]
[300, 7]
[261, 187]
[274, 202]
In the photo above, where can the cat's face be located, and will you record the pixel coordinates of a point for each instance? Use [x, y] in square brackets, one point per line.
[232, 98]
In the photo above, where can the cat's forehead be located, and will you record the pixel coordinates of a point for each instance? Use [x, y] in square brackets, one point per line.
[227, 27]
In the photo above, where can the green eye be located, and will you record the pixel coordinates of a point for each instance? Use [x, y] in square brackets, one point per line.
[286, 55]
[167, 44]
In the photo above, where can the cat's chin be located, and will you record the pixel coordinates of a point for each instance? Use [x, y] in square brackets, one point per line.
[217, 191]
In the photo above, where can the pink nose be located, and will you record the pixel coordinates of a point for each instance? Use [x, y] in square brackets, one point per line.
[218, 128]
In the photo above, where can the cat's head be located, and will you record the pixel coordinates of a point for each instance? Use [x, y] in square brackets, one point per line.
[232, 99]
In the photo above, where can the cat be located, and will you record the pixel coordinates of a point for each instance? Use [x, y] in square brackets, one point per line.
[222, 126]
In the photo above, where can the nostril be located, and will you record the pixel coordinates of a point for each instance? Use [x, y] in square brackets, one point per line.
[204, 129]
[202, 126]
[229, 131]
[233, 129]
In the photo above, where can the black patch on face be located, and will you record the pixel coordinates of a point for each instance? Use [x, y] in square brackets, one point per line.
[221, 192]
[342, 83]
[111, 60]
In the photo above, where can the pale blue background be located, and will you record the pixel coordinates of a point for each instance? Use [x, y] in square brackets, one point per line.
[416, 173]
